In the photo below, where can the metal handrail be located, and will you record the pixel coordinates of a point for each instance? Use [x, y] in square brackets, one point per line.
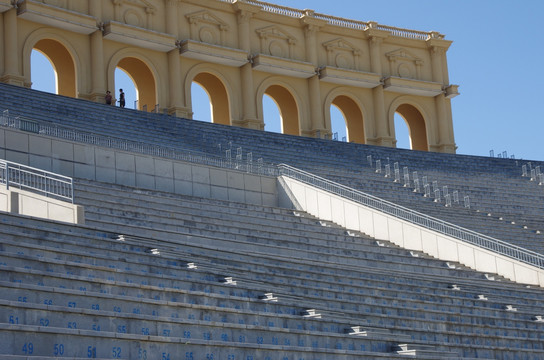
[35, 180]
[412, 216]
[152, 149]
[417, 218]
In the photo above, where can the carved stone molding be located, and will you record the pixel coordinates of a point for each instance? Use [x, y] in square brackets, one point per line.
[342, 54]
[207, 28]
[276, 42]
[137, 13]
[404, 64]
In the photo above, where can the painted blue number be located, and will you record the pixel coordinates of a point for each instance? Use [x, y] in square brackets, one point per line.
[58, 349]
[13, 319]
[28, 348]
[44, 322]
[189, 356]
[91, 352]
[142, 354]
[116, 352]
[165, 356]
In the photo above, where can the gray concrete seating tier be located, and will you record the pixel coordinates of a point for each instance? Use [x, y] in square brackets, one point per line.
[349, 287]
[494, 185]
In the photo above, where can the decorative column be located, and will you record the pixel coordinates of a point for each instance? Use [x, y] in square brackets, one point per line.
[444, 142]
[98, 70]
[176, 105]
[312, 26]
[382, 132]
[12, 74]
[250, 118]
[117, 9]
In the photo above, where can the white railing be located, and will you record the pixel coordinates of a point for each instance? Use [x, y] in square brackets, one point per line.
[70, 134]
[35, 180]
[414, 217]
[239, 164]
[338, 21]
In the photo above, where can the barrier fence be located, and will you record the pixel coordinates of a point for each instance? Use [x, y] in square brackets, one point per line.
[35, 180]
[414, 217]
[51, 184]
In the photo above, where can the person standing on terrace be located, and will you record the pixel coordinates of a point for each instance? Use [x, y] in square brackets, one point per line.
[121, 98]
[108, 98]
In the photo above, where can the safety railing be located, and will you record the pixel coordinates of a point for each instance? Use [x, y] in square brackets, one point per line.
[35, 180]
[260, 168]
[67, 133]
[414, 217]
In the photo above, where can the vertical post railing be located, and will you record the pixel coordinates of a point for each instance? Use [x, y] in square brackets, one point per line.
[387, 170]
[406, 176]
[456, 197]
[249, 158]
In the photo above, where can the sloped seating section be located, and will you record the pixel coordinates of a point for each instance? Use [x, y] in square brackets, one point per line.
[503, 204]
[204, 275]
[165, 276]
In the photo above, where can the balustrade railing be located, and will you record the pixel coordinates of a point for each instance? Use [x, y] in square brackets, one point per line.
[342, 22]
[37, 181]
[414, 217]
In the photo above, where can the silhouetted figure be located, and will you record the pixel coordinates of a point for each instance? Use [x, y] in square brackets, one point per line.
[108, 97]
[121, 98]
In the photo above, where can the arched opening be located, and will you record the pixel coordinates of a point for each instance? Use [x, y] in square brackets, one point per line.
[288, 109]
[218, 97]
[415, 122]
[271, 115]
[402, 133]
[42, 75]
[64, 70]
[339, 128]
[201, 103]
[353, 119]
[124, 81]
[145, 90]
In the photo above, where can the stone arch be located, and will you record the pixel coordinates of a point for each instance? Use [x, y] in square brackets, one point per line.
[62, 55]
[142, 72]
[415, 117]
[218, 91]
[353, 112]
[288, 103]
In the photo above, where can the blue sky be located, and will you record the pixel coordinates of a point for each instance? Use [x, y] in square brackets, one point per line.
[496, 58]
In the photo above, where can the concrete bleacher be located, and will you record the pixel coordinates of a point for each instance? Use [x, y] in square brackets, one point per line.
[504, 205]
[70, 281]
[160, 275]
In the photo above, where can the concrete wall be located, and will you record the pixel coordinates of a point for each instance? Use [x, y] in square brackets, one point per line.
[125, 168]
[22, 202]
[381, 226]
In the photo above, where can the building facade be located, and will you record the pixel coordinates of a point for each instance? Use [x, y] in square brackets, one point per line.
[239, 51]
